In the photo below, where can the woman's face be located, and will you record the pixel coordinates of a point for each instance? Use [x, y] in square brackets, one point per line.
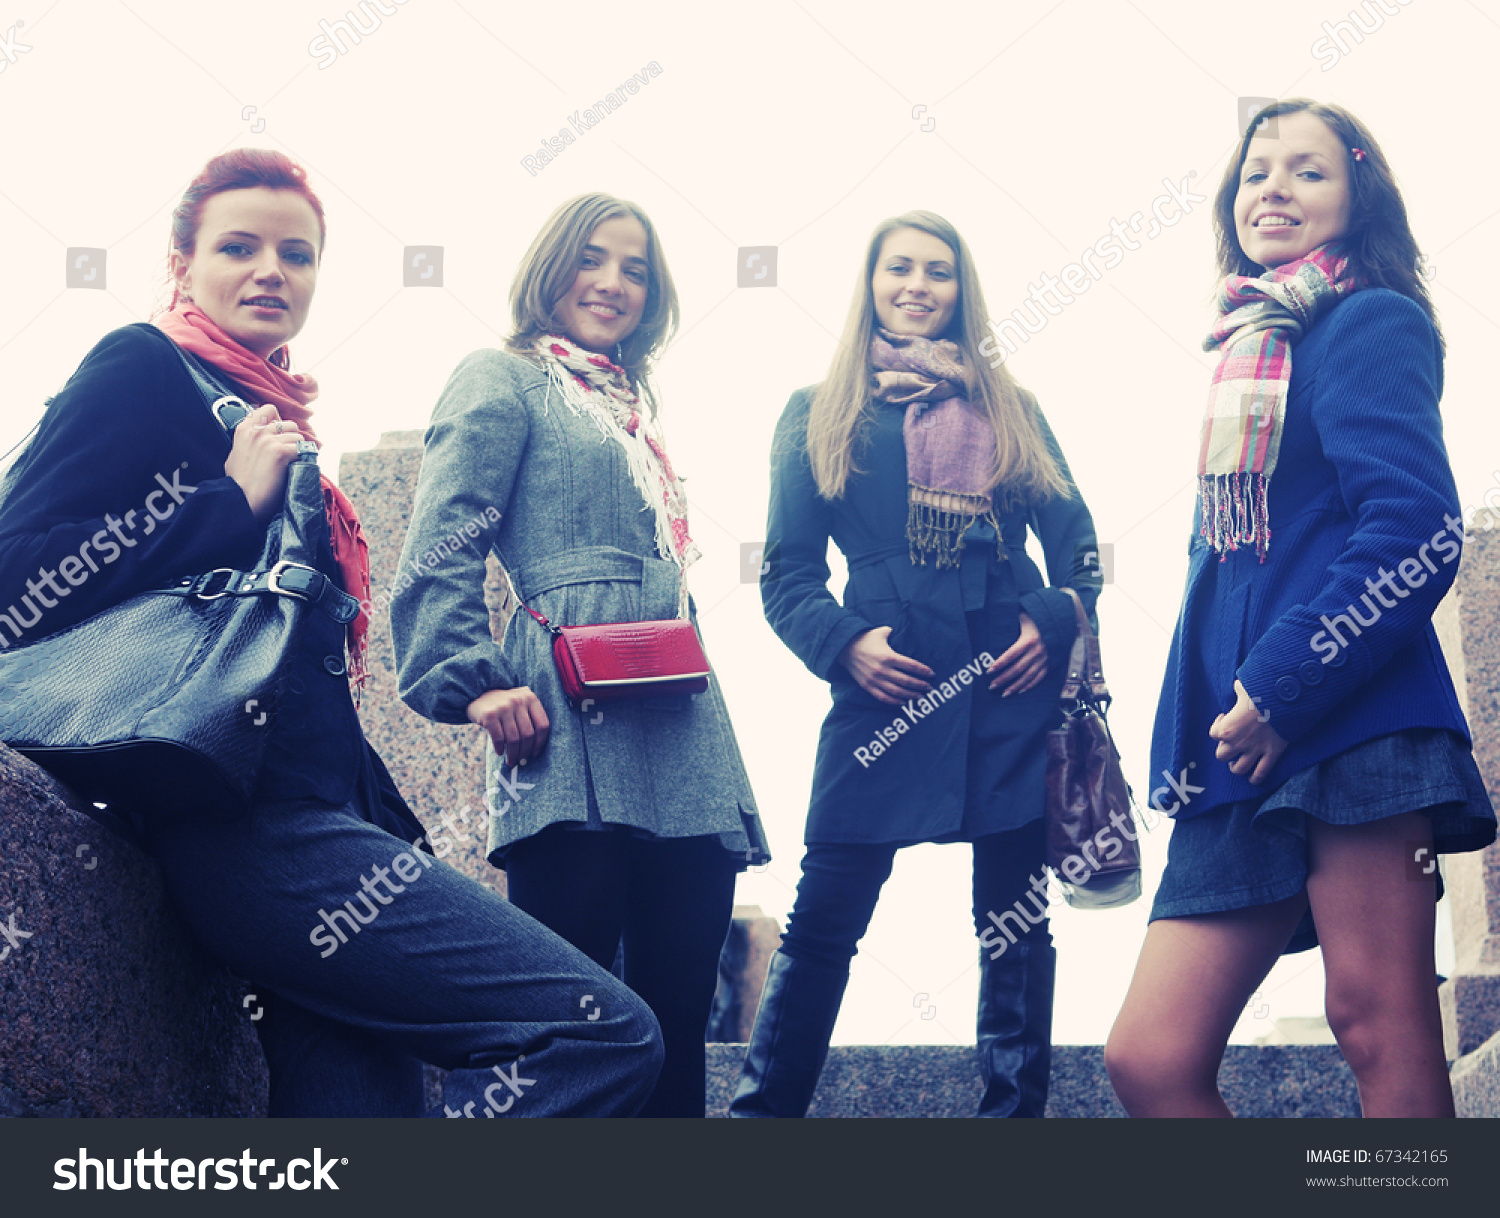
[607, 298]
[915, 284]
[1294, 190]
[254, 265]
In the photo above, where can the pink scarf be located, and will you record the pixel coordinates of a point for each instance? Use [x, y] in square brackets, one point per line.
[950, 446]
[268, 382]
[1260, 320]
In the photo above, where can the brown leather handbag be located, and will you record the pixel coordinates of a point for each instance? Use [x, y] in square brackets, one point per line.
[1091, 834]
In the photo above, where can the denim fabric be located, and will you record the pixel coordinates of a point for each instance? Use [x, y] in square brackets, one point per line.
[423, 965]
[841, 882]
[668, 902]
[1254, 852]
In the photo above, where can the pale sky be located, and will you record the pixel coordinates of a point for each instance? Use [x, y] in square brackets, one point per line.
[1031, 126]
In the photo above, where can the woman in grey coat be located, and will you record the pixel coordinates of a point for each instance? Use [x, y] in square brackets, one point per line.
[621, 826]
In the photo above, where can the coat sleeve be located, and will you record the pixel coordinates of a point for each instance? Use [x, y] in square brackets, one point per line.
[440, 627]
[1065, 528]
[1375, 411]
[101, 506]
[794, 587]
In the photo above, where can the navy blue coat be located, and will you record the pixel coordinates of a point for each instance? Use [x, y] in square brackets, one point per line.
[887, 774]
[1332, 635]
[129, 421]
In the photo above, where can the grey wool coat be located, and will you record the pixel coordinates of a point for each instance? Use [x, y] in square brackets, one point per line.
[509, 467]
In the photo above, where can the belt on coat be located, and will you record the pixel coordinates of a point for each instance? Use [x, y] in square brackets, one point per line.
[657, 577]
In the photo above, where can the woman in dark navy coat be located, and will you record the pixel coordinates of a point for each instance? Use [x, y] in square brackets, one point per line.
[925, 465]
[1308, 739]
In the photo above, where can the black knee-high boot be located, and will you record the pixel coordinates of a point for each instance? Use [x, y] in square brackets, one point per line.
[1015, 1029]
[790, 1043]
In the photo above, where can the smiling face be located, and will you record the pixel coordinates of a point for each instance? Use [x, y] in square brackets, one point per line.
[915, 283]
[1294, 190]
[254, 265]
[607, 298]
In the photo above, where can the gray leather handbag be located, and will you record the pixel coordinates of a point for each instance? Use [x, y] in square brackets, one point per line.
[159, 703]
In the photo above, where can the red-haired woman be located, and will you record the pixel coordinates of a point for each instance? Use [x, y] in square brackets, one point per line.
[435, 969]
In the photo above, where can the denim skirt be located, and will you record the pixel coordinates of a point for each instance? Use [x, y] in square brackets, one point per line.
[1254, 851]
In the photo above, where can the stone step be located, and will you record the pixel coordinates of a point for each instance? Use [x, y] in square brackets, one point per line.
[941, 1081]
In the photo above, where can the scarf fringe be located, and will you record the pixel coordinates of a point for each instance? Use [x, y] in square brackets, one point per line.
[1233, 511]
[940, 532]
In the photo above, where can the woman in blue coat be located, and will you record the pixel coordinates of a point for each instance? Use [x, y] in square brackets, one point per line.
[925, 464]
[1308, 739]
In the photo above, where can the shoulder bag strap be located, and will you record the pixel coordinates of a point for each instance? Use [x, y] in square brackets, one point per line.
[228, 410]
[1084, 665]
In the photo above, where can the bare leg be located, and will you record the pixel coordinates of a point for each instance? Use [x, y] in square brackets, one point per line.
[1191, 982]
[1375, 921]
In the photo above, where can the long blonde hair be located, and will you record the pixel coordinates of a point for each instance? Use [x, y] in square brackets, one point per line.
[551, 264]
[842, 402]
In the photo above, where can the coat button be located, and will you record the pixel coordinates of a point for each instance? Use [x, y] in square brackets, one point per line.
[1288, 688]
[334, 665]
[1311, 672]
[1339, 660]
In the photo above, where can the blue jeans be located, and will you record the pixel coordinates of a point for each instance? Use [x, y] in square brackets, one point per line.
[369, 958]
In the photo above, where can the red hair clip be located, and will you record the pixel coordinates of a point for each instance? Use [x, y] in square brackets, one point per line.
[1357, 153]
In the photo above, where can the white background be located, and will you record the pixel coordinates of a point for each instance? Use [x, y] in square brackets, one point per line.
[778, 123]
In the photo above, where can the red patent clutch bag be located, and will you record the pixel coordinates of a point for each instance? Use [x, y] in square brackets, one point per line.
[628, 659]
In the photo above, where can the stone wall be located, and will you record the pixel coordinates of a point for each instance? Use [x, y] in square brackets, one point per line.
[107, 1006]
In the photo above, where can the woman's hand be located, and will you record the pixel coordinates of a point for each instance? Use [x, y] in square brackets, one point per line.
[1246, 740]
[1023, 664]
[514, 718]
[884, 674]
[264, 445]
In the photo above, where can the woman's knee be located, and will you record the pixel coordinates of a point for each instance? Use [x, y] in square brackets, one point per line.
[1364, 1024]
[1146, 1069]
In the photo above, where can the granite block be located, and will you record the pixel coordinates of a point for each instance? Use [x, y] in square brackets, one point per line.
[743, 965]
[1476, 1081]
[943, 1081]
[438, 768]
[1475, 878]
[111, 1009]
[1471, 1010]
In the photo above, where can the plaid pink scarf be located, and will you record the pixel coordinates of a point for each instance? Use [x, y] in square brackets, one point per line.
[1260, 320]
[950, 446]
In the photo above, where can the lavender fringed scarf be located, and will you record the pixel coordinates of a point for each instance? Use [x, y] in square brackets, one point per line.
[950, 446]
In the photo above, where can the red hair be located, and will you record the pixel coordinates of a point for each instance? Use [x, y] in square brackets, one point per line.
[240, 169]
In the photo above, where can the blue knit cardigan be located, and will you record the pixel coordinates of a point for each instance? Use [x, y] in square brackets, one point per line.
[1332, 634]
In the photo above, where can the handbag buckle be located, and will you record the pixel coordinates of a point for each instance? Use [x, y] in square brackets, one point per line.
[274, 584]
[230, 411]
[228, 577]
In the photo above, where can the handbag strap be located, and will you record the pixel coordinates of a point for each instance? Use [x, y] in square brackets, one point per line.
[1085, 668]
[554, 631]
[227, 409]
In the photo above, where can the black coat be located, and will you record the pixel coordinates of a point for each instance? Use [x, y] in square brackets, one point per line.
[123, 490]
[972, 763]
